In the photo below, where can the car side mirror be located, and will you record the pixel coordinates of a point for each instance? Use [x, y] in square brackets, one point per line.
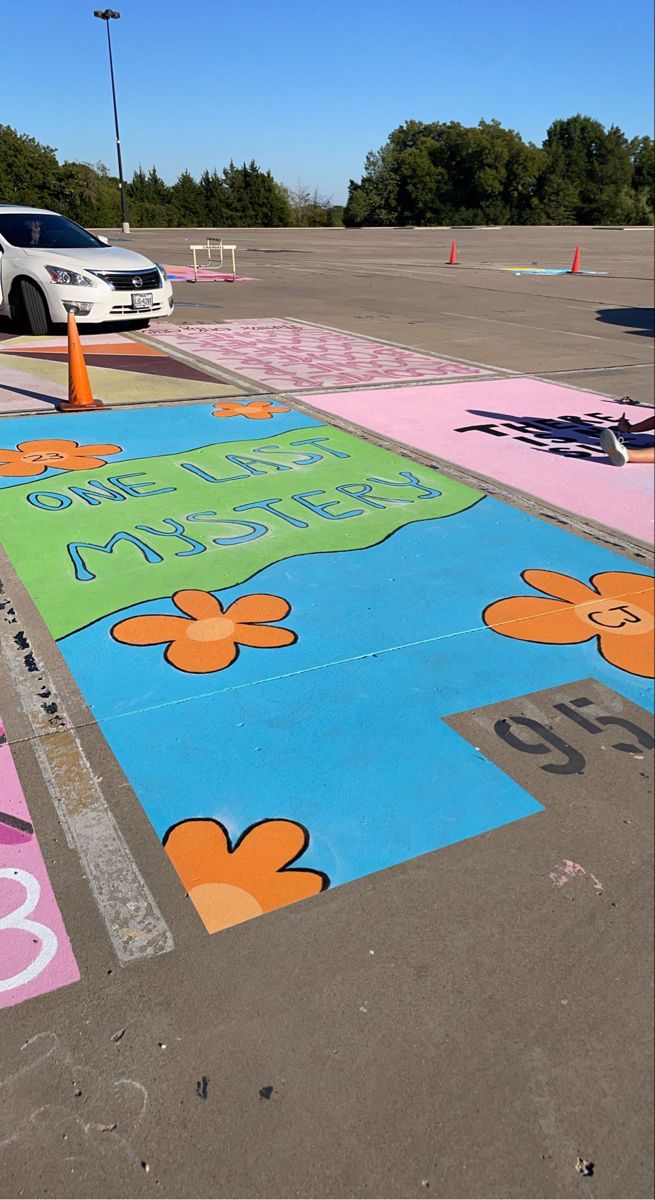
[101, 238]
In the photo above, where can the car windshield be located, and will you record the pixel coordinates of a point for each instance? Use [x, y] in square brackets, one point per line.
[45, 231]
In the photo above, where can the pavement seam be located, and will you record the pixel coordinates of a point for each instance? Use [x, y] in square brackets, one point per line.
[598, 337]
[134, 922]
[374, 653]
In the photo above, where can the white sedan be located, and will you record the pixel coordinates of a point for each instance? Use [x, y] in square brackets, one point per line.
[49, 266]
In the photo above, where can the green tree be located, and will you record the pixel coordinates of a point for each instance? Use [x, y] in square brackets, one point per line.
[137, 188]
[28, 170]
[374, 201]
[447, 174]
[267, 201]
[587, 174]
[238, 207]
[252, 197]
[150, 200]
[642, 157]
[450, 174]
[334, 215]
[558, 199]
[439, 173]
[214, 199]
[187, 199]
[87, 194]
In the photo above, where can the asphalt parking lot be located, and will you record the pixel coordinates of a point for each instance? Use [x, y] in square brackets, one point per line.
[594, 331]
[474, 1021]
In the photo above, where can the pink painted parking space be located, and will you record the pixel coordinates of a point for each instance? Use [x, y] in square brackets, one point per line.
[35, 953]
[292, 356]
[204, 275]
[538, 437]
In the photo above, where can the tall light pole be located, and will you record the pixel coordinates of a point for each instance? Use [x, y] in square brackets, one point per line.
[107, 15]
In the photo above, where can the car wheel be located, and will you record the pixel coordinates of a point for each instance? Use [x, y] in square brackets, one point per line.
[33, 308]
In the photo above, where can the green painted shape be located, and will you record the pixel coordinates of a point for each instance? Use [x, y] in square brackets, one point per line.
[37, 540]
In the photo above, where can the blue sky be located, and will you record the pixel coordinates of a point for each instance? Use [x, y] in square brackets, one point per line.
[307, 89]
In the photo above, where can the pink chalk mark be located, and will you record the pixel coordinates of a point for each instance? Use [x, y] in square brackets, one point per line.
[552, 462]
[568, 870]
[204, 275]
[35, 953]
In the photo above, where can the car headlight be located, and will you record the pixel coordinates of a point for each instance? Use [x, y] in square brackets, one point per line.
[66, 275]
[162, 271]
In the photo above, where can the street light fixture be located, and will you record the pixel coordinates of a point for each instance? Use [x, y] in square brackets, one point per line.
[107, 15]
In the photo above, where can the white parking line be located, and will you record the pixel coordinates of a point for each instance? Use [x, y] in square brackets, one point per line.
[134, 922]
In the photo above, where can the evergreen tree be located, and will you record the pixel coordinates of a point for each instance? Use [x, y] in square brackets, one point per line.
[187, 200]
[151, 200]
[214, 199]
[642, 157]
[137, 190]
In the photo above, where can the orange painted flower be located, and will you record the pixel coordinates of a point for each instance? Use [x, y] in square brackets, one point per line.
[618, 609]
[208, 638]
[255, 410]
[33, 458]
[232, 884]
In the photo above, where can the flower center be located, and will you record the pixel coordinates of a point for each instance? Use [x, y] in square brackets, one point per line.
[223, 904]
[50, 456]
[607, 616]
[213, 629]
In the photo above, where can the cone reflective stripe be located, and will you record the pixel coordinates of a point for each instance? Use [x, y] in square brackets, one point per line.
[575, 265]
[452, 261]
[80, 396]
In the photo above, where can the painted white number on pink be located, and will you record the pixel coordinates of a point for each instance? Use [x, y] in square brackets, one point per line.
[18, 919]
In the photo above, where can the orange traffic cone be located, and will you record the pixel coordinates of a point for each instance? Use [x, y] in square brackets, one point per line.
[575, 265]
[80, 396]
[452, 261]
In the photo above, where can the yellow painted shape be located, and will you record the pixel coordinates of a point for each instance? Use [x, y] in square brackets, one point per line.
[133, 349]
[118, 386]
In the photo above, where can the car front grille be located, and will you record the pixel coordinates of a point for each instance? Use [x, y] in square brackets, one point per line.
[123, 281]
[122, 309]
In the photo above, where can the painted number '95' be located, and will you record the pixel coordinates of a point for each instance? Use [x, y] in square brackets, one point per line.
[533, 737]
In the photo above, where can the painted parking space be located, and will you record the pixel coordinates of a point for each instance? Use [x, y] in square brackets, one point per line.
[291, 356]
[271, 621]
[34, 373]
[538, 437]
[185, 274]
[35, 952]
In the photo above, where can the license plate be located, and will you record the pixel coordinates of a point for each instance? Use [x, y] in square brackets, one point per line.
[141, 299]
